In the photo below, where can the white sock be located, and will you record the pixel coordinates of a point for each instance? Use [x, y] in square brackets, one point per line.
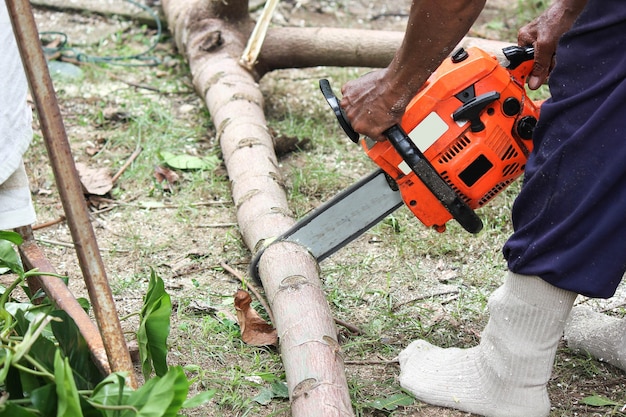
[507, 373]
[602, 336]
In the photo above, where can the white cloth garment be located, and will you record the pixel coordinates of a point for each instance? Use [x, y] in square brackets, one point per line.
[16, 133]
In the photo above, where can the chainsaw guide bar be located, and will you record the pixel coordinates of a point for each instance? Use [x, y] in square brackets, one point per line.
[342, 219]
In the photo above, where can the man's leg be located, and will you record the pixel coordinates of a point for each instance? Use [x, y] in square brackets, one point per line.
[507, 373]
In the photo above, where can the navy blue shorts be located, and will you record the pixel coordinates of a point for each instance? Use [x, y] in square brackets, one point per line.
[570, 216]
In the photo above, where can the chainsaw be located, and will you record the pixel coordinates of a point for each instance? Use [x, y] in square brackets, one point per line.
[463, 139]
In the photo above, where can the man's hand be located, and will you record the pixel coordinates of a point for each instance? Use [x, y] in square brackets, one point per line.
[544, 33]
[377, 101]
[367, 102]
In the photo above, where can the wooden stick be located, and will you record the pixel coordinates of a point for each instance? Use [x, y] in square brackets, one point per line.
[49, 223]
[372, 362]
[255, 42]
[424, 297]
[251, 287]
[130, 160]
[350, 327]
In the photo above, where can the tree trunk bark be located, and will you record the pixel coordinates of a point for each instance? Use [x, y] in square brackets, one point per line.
[307, 334]
[212, 35]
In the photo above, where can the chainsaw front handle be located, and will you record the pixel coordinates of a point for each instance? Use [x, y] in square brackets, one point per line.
[333, 101]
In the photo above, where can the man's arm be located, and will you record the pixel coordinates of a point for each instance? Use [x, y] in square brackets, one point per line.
[378, 100]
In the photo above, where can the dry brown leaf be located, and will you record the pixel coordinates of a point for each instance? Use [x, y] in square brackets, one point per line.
[95, 181]
[254, 330]
[165, 174]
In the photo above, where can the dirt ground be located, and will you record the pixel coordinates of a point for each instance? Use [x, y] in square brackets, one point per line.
[144, 228]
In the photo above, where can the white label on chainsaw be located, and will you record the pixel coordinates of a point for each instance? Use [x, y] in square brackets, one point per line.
[428, 131]
[425, 134]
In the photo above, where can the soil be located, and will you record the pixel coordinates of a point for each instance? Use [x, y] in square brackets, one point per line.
[142, 229]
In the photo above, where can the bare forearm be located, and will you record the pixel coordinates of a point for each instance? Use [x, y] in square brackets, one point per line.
[377, 100]
[433, 29]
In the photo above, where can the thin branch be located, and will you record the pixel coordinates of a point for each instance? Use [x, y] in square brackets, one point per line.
[424, 297]
[372, 362]
[71, 245]
[251, 287]
[124, 167]
[351, 327]
[49, 223]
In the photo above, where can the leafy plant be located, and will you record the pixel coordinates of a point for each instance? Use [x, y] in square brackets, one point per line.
[47, 368]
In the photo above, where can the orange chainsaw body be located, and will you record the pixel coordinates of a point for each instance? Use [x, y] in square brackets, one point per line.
[481, 152]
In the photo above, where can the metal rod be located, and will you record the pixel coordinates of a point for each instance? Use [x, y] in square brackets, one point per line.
[68, 184]
[33, 258]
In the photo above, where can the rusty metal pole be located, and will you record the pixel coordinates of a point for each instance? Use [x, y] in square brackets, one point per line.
[57, 291]
[68, 184]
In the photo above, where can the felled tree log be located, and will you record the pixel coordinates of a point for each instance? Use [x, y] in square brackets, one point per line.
[212, 39]
[212, 35]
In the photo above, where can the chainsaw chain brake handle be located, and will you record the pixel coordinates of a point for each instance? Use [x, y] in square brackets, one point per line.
[418, 163]
[333, 101]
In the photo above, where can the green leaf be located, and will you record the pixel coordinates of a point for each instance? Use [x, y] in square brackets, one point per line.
[12, 410]
[44, 399]
[7, 357]
[277, 389]
[75, 349]
[160, 397]
[9, 258]
[189, 161]
[13, 383]
[84, 303]
[392, 402]
[154, 328]
[199, 399]
[598, 401]
[264, 397]
[42, 349]
[111, 391]
[68, 400]
[280, 390]
[12, 237]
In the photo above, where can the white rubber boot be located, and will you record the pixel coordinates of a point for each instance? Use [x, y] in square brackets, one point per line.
[507, 373]
[601, 336]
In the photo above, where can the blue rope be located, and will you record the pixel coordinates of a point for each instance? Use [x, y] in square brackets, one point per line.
[143, 57]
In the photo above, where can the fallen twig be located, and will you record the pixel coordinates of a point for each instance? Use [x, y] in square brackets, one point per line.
[351, 327]
[49, 223]
[100, 8]
[372, 362]
[129, 161]
[423, 297]
[217, 225]
[71, 245]
[137, 85]
[251, 287]
[158, 205]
